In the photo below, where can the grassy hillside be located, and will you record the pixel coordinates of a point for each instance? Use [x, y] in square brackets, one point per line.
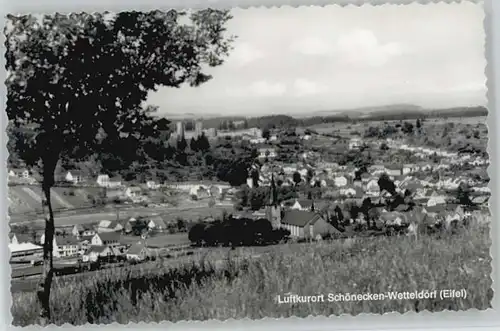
[28, 198]
[248, 287]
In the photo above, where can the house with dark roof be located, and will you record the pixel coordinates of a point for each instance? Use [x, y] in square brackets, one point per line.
[376, 169]
[74, 176]
[84, 243]
[372, 188]
[109, 226]
[156, 223]
[95, 252]
[138, 252]
[302, 204]
[20, 238]
[133, 192]
[111, 239]
[306, 224]
[436, 198]
[128, 225]
[63, 245]
[83, 230]
[199, 192]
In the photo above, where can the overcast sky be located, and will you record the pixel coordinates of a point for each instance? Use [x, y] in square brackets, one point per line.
[296, 60]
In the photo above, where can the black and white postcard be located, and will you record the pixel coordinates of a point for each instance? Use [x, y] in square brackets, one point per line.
[214, 164]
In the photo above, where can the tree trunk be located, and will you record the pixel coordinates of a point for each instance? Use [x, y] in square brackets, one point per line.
[43, 293]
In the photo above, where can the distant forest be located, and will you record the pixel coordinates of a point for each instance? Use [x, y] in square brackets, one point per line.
[285, 121]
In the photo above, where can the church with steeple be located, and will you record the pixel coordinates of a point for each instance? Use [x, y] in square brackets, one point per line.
[273, 209]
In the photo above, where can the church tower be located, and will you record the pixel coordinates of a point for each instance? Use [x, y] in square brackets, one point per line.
[274, 208]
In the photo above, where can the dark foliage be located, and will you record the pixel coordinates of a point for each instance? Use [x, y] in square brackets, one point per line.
[237, 232]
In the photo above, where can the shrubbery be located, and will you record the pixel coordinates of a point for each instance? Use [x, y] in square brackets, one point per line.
[237, 232]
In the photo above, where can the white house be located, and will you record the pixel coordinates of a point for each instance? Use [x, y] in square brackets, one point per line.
[16, 238]
[106, 181]
[393, 170]
[156, 223]
[200, 192]
[24, 174]
[63, 246]
[133, 192]
[348, 191]
[376, 169]
[115, 182]
[152, 185]
[372, 187]
[189, 186]
[340, 181]
[111, 239]
[354, 143]
[435, 199]
[289, 169]
[257, 140]
[302, 205]
[409, 168]
[83, 230]
[103, 180]
[426, 167]
[94, 252]
[267, 152]
[137, 252]
[109, 226]
[84, 243]
[392, 218]
[74, 176]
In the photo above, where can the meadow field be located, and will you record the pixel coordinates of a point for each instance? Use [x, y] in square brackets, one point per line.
[245, 286]
[346, 129]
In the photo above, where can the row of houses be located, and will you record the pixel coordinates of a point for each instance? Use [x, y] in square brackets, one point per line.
[153, 223]
[425, 152]
[308, 219]
[77, 177]
[202, 189]
[88, 247]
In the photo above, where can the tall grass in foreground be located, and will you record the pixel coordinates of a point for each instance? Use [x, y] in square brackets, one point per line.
[247, 288]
